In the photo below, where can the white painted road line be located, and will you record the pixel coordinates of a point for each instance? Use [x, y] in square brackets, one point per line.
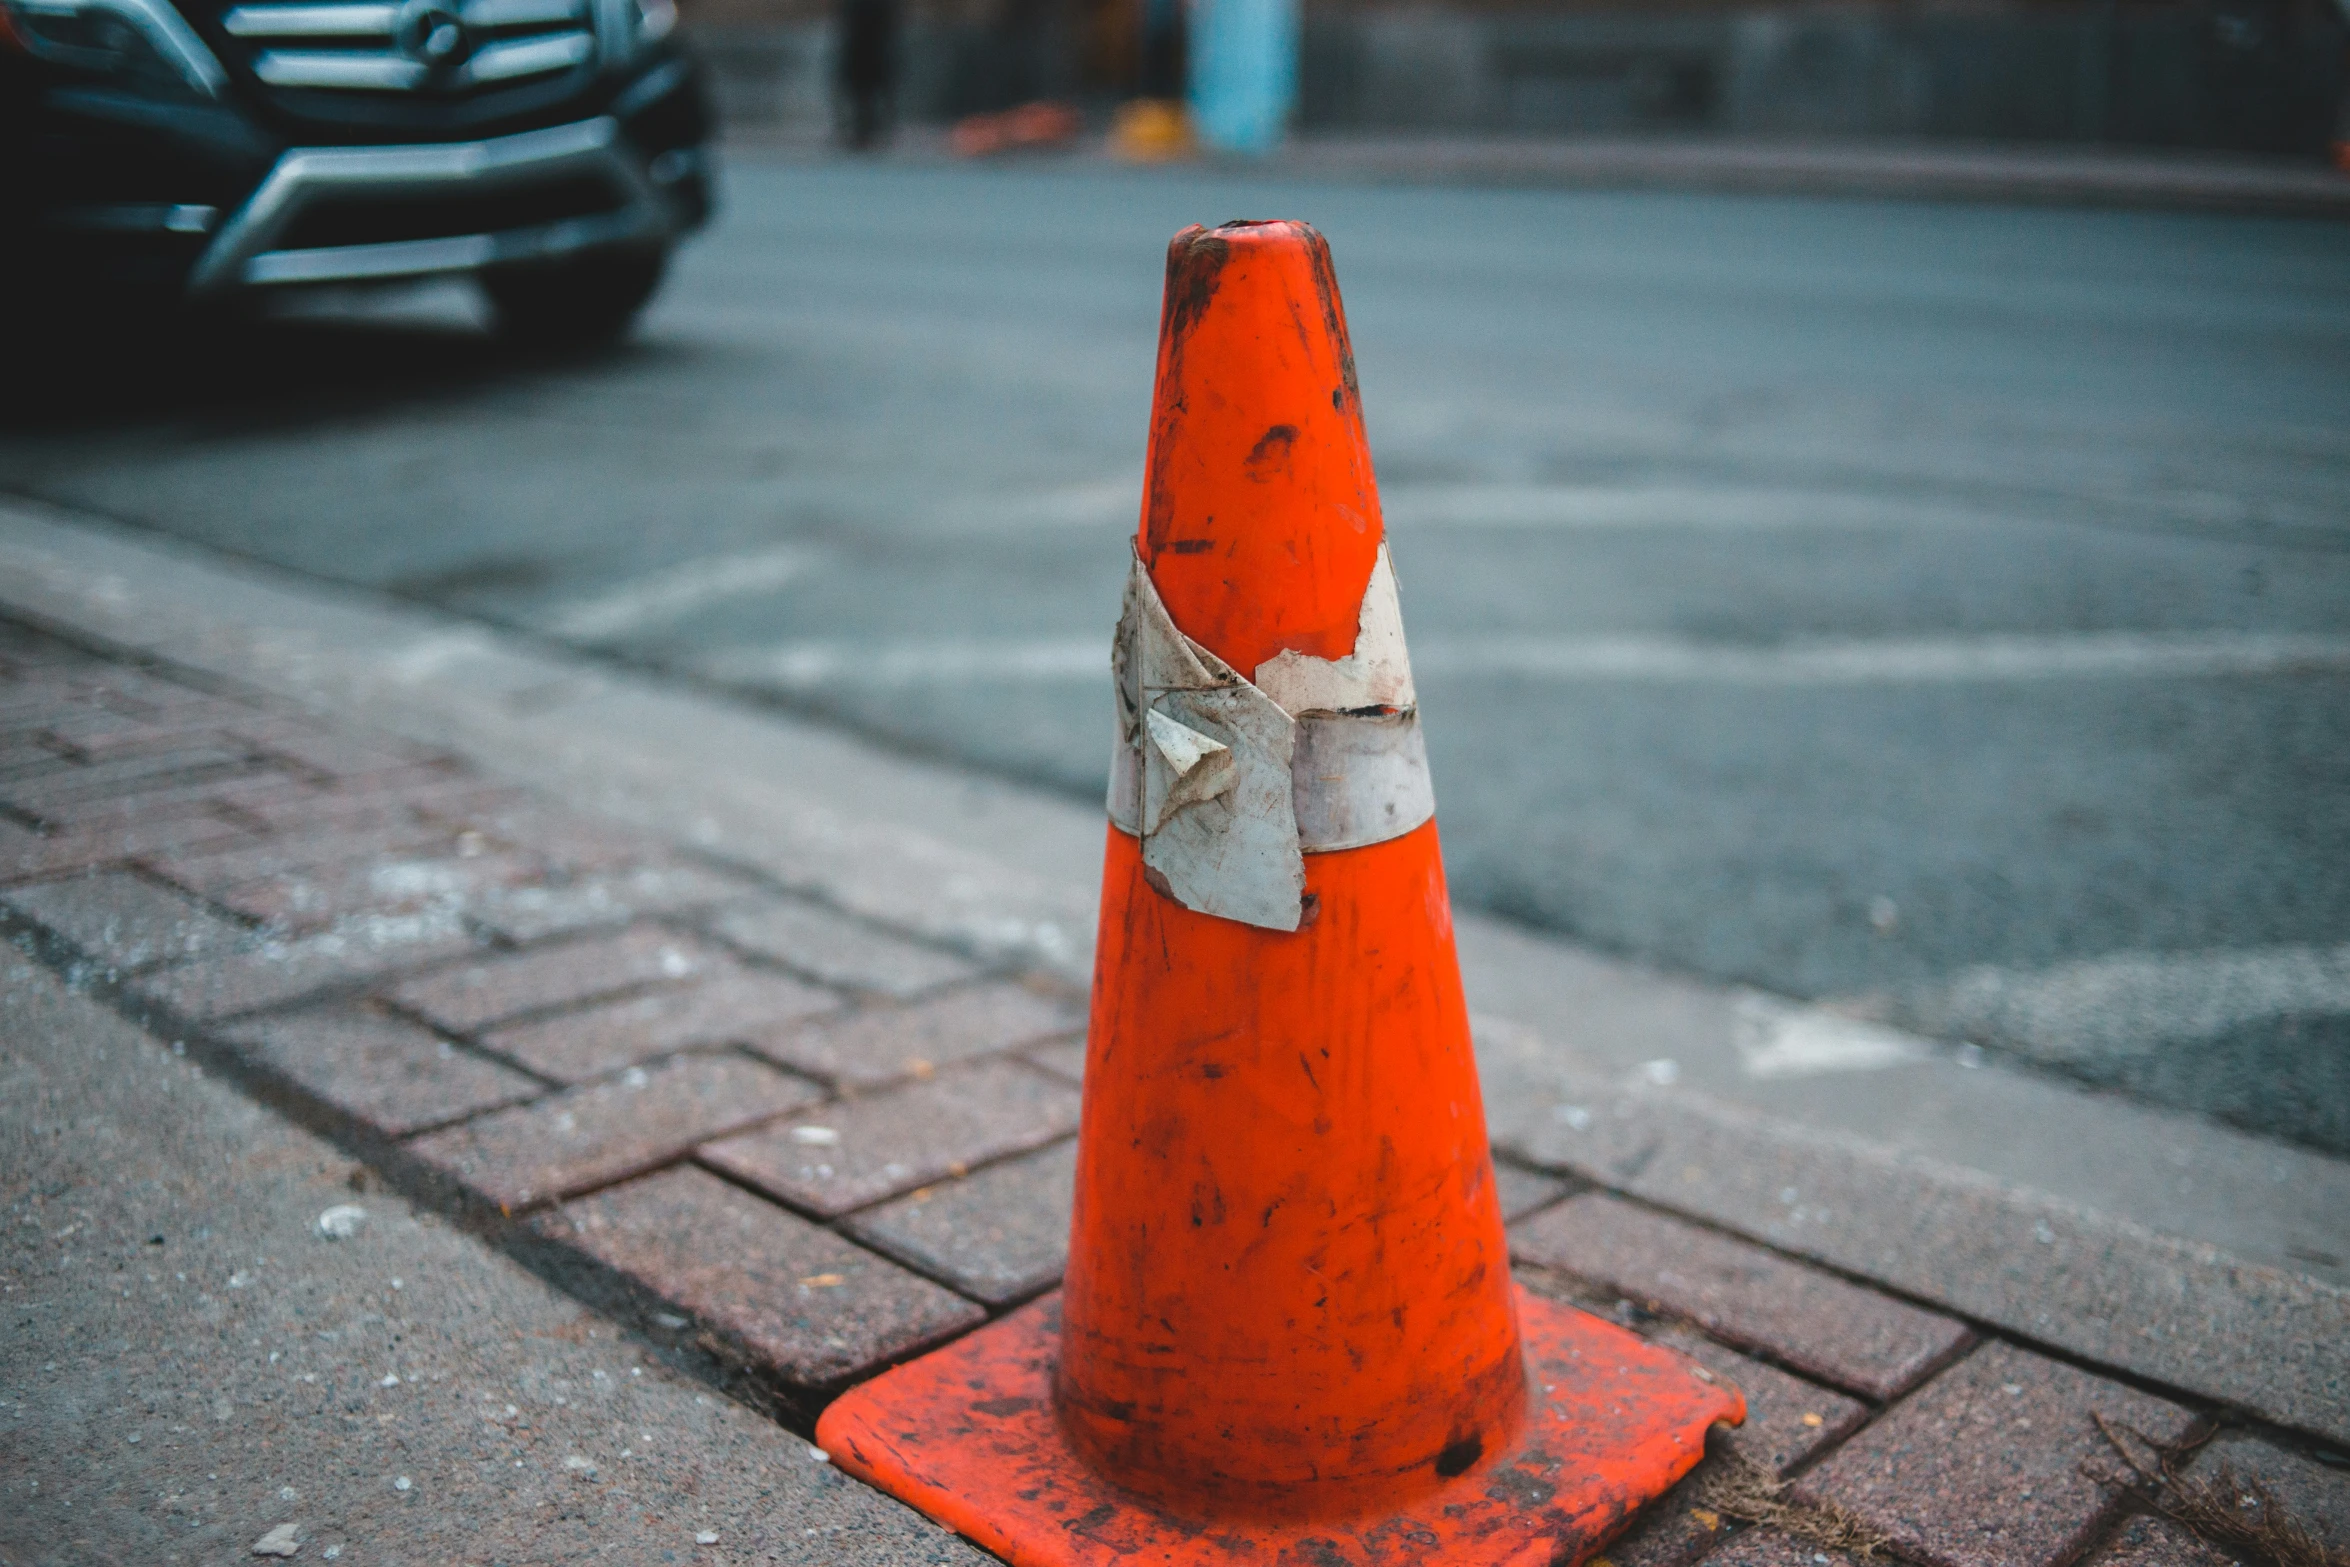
[1113, 502]
[1410, 507]
[1775, 1038]
[813, 666]
[2131, 1003]
[1889, 660]
[665, 597]
[817, 666]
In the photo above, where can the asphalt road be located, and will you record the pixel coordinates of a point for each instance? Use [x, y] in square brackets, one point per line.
[1941, 608]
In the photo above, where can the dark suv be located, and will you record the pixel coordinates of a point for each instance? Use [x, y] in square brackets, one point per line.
[201, 150]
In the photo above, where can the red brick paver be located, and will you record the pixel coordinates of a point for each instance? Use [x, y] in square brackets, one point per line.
[809, 1307]
[603, 897]
[279, 972]
[477, 994]
[590, 1137]
[1813, 1321]
[128, 922]
[65, 790]
[1982, 1468]
[1000, 1235]
[385, 1073]
[883, 1044]
[838, 950]
[216, 868]
[863, 1150]
[732, 1006]
[26, 855]
[376, 882]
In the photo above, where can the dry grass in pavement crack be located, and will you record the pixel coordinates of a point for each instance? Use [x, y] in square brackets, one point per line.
[2233, 1513]
[1739, 1488]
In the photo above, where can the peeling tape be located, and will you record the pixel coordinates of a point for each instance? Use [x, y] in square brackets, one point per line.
[1208, 774]
[1229, 787]
[1376, 676]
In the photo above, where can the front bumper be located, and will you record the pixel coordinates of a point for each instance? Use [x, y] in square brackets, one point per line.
[270, 240]
[118, 190]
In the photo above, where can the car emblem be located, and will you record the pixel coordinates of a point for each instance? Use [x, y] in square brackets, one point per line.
[431, 33]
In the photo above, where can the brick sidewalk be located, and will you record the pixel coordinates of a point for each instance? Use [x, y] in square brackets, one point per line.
[731, 1116]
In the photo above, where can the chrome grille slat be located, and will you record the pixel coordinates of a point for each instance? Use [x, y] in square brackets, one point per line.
[311, 21]
[506, 62]
[371, 72]
[358, 45]
[489, 14]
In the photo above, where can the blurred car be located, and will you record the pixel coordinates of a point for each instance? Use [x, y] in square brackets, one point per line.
[205, 150]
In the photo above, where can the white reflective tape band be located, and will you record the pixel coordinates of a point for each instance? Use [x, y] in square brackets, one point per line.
[1359, 780]
[1228, 790]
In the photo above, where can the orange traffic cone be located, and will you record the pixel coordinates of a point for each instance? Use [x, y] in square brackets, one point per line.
[1288, 1332]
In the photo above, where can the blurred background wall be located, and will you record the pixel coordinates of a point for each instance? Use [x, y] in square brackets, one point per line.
[2236, 75]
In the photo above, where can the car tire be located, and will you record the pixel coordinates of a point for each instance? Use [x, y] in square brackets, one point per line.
[579, 303]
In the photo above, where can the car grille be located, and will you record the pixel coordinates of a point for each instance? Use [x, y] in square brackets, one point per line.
[449, 46]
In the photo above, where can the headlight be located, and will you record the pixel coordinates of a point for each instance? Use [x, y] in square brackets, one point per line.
[143, 42]
[630, 27]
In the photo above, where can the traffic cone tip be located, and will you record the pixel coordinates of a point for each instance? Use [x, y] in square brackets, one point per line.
[1261, 520]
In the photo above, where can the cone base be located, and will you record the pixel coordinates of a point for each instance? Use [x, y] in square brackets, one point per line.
[967, 1435]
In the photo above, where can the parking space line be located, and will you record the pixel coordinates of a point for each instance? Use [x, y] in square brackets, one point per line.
[817, 665]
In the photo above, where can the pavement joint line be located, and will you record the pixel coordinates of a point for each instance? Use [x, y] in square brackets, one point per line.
[1631, 1185]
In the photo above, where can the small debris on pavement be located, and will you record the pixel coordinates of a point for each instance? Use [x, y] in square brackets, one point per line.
[815, 1136]
[342, 1221]
[706, 1537]
[279, 1541]
[402, 1484]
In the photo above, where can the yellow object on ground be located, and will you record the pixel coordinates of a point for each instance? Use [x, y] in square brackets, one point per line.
[1152, 130]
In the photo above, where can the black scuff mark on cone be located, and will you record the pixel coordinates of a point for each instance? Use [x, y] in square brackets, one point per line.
[1269, 458]
[1460, 1456]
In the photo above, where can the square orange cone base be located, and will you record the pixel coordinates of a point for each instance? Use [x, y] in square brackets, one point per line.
[967, 1435]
